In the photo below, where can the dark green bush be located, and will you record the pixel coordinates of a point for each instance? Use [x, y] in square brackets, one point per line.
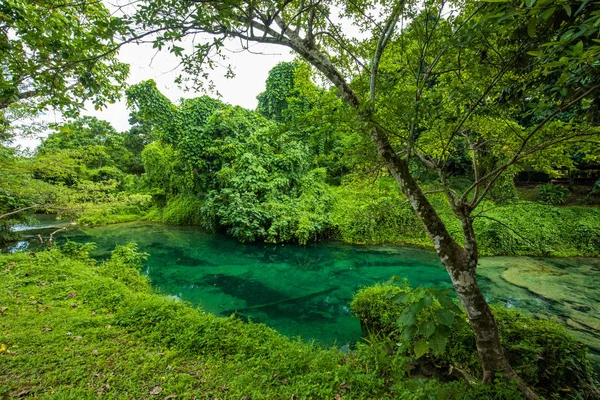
[377, 313]
[541, 351]
[553, 194]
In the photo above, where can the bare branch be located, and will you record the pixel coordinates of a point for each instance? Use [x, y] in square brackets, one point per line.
[384, 39]
[19, 210]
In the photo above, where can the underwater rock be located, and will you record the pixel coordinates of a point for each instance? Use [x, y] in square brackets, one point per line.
[567, 286]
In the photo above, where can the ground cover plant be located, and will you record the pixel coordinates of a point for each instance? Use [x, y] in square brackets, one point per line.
[73, 327]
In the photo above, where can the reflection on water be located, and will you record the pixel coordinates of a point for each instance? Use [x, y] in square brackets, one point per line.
[305, 290]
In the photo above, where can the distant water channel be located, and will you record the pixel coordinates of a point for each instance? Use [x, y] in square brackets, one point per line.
[305, 290]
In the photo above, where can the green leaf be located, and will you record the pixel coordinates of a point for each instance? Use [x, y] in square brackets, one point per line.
[449, 303]
[426, 301]
[417, 307]
[408, 333]
[529, 3]
[408, 317]
[442, 292]
[444, 317]
[438, 342]
[400, 298]
[421, 348]
[547, 14]
[531, 27]
[427, 328]
[567, 9]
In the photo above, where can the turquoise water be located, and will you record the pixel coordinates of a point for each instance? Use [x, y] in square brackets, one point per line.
[305, 290]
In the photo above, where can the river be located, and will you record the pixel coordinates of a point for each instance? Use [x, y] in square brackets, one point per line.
[305, 290]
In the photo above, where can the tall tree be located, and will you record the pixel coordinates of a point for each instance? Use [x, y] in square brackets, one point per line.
[449, 64]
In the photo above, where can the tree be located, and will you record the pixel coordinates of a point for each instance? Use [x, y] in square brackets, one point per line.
[94, 142]
[318, 118]
[449, 65]
[58, 54]
[237, 169]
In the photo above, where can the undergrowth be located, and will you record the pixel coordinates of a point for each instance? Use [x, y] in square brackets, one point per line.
[379, 213]
[73, 328]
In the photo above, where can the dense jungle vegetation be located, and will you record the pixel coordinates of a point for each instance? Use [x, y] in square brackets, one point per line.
[421, 131]
[294, 170]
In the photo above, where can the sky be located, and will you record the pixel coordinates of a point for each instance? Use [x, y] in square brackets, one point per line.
[145, 63]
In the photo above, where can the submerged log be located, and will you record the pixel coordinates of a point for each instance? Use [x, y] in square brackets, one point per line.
[274, 303]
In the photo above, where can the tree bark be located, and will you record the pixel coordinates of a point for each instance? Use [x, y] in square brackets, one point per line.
[461, 264]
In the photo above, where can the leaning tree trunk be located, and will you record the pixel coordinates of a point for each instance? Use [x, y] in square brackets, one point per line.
[461, 264]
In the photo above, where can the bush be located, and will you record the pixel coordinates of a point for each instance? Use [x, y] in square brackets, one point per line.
[553, 194]
[379, 213]
[541, 351]
[183, 210]
[376, 214]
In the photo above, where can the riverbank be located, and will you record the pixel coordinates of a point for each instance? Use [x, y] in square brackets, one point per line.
[70, 327]
[269, 282]
[360, 216]
[73, 327]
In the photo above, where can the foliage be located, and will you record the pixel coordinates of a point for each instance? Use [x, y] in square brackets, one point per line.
[552, 194]
[541, 351]
[92, 143]
[163, 173]
[379, 213]
[20, 191]
[420, 320]
[112, 208]
[283, 99]
[242, 174]
[181, 210]
[316, 117]
[58, 56]
[104, 332]
[80, 171]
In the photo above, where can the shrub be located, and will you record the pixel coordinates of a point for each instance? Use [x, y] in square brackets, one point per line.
[541, 351]
[553, 194]
[183, 210]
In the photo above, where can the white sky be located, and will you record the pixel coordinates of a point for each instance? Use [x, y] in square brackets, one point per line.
[251, 73]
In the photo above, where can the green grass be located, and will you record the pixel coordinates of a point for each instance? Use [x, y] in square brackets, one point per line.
[379, 213]
[73, 329]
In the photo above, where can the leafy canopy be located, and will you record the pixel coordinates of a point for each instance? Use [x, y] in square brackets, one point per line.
[58, 55]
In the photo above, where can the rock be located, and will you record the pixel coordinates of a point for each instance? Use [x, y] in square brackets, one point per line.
[156, 390]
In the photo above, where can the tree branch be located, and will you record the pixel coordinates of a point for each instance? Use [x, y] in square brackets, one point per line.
[19, 210]
[384, 39]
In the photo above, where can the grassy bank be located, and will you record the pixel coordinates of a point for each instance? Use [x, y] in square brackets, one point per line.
[380, 214]
[71, 328]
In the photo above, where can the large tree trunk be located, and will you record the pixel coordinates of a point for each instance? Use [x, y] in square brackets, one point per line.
[461, 264]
